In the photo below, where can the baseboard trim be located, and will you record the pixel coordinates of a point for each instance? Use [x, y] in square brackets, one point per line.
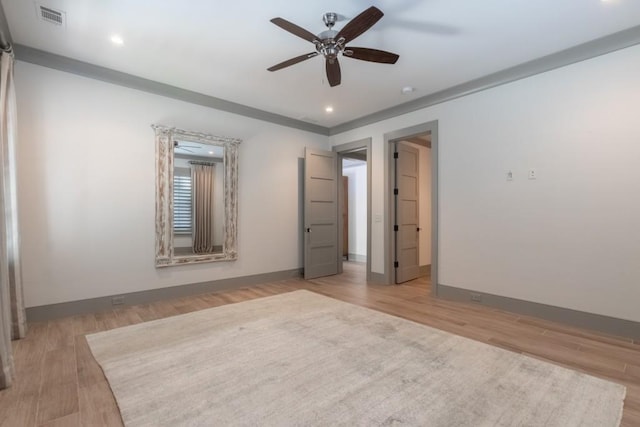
[425, 270]
[95, 305]
[357, 258]
[581, 319]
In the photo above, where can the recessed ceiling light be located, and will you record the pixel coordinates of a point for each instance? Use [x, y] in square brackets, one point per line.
[329, 109]
[116, 39]
[210, 152]
[408, 89]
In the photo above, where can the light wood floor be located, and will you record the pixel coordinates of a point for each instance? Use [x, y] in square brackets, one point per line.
[60, 384]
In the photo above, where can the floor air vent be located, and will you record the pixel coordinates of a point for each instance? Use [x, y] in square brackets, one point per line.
[51, 16]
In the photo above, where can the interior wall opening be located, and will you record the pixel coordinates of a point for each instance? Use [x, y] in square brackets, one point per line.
[422, 139]
[354, 206]
[412, 206]
[354, 195]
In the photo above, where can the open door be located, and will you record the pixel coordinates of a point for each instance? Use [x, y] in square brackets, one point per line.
[407, 219]
[320, 213]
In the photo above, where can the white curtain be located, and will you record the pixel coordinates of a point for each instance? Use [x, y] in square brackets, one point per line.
[13, 323]
[202, 186]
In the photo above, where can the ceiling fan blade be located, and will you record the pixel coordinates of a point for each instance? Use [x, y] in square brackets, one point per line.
[372, 55]
[294, 29]
[292, 61]
[184, 149]
[360, 24]
[333, 72]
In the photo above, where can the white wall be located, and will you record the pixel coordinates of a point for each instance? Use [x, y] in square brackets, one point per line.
[357, 209]
[571, 238]
[86, 188]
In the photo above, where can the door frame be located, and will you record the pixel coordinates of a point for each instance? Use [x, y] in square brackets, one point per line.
[389, 172]
[359, 145]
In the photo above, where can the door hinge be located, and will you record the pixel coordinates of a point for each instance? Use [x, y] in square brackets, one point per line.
[395, 155]
[395, 228]
[395, 191]
[395, 264]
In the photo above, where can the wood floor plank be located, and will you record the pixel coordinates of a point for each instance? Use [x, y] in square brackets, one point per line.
[633, 371]
[630, 418]
[88, 370]
[60, 383]
[84, 324]
[59, 388]
[212, 300]
[72, 420]
[96, 402]
[18, 406]
[29, 351]
[106, 320]
[570, 330]
[148, 312]
[60, 333]
[126, 316]
[98, 406]
[189, 304]
[163, 309]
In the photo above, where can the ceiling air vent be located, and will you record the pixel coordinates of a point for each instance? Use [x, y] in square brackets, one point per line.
[51, 16]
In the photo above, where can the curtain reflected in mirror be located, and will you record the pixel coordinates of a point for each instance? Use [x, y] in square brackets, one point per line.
[198, 199]
[197, 173]
[202, 177]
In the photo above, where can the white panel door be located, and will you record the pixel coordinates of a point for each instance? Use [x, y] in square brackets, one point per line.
[320, 213]
[407, 241]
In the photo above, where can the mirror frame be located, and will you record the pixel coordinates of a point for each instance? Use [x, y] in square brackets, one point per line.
[165, 136]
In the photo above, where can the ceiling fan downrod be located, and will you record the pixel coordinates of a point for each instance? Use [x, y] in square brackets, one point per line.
[327, 45]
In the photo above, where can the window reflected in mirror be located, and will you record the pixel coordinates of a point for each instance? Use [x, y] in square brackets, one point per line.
[198, 198]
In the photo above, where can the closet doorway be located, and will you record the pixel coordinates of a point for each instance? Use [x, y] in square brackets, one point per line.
[354, 230]
[411, 204]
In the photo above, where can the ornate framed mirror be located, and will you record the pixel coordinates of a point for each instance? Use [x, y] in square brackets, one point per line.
[196, 197]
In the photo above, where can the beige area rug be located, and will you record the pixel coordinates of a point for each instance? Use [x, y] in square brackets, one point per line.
[302, 359]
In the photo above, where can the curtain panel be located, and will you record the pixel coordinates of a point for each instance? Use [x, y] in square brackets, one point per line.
[202, 176]
[13, 323]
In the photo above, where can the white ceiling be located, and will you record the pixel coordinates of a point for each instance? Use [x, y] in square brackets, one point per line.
[190, 148]
[223, 49]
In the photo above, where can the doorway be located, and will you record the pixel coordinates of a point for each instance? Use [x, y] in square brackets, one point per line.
[354, 163]
[354, 206]
[411, 232]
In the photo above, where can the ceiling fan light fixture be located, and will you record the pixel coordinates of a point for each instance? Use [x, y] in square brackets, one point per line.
[117, 40]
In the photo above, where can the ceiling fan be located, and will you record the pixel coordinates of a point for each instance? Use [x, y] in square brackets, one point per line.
[330, 43]
[179, 146]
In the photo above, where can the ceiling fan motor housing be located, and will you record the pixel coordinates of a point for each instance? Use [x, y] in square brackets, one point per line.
[328, 46]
